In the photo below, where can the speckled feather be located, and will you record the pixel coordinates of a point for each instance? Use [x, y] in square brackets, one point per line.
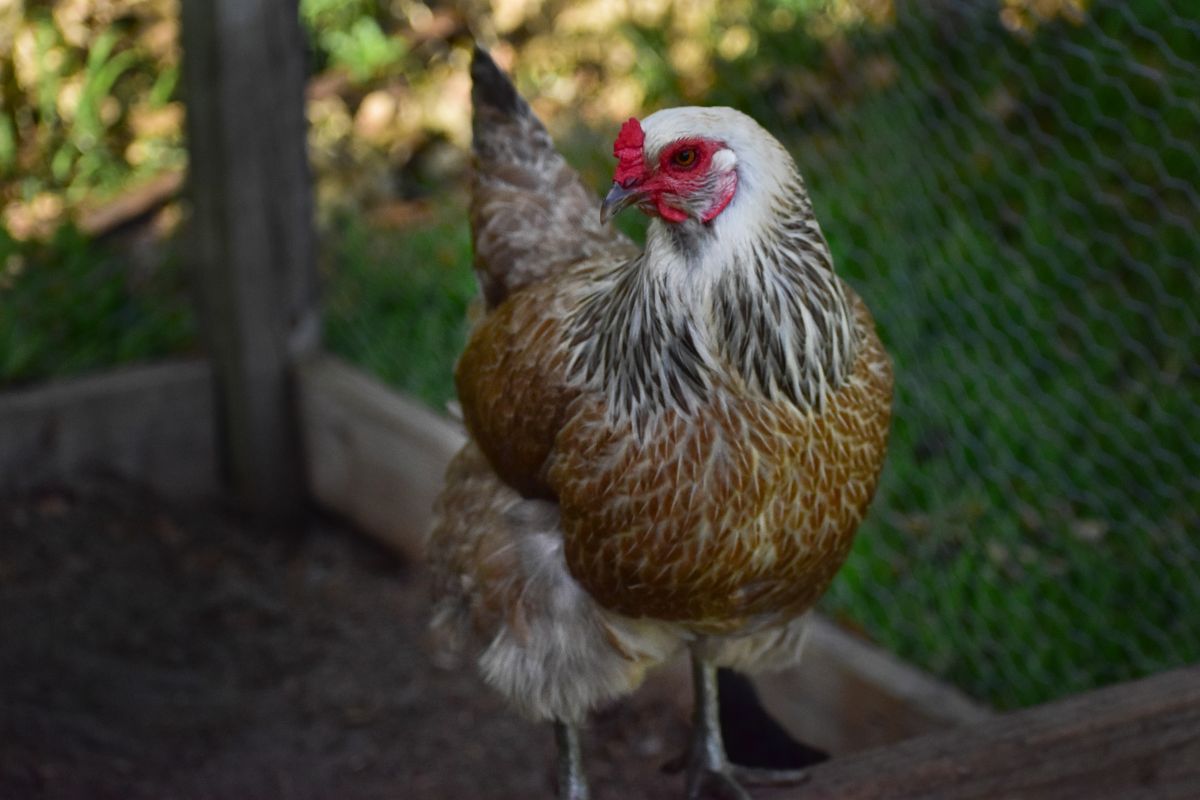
[701, 425]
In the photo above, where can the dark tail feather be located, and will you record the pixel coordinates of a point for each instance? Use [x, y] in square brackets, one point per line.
[490, 87]
[530, 212]
[504, 127]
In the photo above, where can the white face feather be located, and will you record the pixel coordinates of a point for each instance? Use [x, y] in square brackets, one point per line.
[767, 179]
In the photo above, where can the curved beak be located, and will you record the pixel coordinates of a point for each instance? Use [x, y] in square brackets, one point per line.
[618, 198]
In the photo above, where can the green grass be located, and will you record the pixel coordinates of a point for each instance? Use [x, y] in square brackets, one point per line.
[396, 302]
[1033, 535]
[69, 305]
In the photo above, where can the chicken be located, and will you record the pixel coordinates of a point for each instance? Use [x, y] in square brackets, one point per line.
[668, 449]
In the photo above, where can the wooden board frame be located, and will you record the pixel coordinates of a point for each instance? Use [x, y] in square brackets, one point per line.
[1133, 741]
[152, 424]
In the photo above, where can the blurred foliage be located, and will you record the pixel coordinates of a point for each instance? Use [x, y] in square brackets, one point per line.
[1010, 183]
[90, 102]
[87, 104]
[348, 35]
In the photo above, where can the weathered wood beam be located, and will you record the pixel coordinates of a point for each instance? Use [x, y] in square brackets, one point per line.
[373, 455]
[1129, 741]
[131, 206]
[252, 239]
[151, 424]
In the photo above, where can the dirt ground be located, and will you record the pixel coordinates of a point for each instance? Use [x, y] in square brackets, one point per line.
[154, 651]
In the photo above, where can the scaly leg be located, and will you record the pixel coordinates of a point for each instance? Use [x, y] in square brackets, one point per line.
[572, 783]
[709, 772]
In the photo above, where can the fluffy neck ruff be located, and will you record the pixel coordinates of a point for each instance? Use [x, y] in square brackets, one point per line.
[749, 298]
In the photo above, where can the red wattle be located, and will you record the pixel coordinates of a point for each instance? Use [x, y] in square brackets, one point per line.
[726, 197]
[669, 213]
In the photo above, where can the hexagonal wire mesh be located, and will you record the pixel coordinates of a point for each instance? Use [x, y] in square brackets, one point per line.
[1020, 210]
[1011, 186]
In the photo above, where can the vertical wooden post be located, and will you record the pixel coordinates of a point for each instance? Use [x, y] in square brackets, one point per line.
[244, 77]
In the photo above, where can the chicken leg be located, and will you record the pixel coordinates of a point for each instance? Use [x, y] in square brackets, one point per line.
[572, 783]
[710, 774]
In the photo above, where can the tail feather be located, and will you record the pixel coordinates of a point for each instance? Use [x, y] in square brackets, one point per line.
[491, 88]
[531, 214]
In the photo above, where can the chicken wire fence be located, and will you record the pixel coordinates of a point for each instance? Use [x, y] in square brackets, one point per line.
[1011, 185]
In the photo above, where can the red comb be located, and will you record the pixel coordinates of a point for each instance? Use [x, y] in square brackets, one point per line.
[628, 150]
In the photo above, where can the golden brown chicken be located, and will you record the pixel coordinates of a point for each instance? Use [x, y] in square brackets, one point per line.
[668, 449]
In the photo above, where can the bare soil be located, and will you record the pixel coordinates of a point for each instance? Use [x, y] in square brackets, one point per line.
[153, 651]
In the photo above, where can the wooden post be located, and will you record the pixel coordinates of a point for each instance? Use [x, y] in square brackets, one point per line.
[252, 235]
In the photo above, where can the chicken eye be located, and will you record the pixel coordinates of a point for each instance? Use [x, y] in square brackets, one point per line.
[685, 157]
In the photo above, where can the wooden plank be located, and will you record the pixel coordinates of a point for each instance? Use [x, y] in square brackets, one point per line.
[378, 458]
[1133, 740]
[373, 455]
[847, 694]
[131, 205]
[152, 424]
[251, 229]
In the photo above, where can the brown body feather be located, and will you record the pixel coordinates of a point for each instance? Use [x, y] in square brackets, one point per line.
[740, 511]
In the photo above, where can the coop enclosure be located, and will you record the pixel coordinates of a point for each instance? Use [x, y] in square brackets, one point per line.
[1010, 184]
